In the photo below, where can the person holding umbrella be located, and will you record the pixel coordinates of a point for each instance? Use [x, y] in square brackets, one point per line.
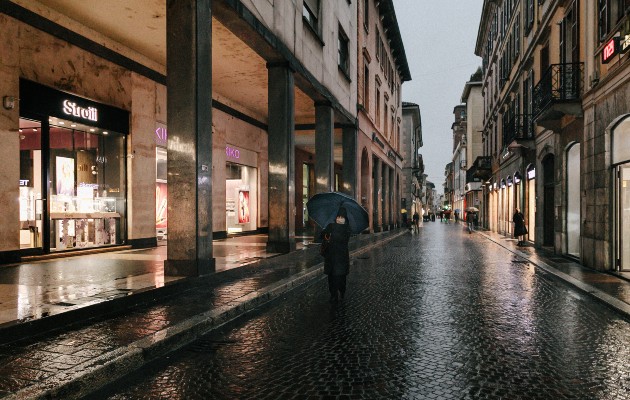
[470, 219]
[340, 216]
[337, 254]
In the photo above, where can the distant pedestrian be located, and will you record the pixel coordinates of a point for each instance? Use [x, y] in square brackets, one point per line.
[404, 217]
[337, 254]
[519, 227]
[416, 221]
[456, 216]
[470, 221]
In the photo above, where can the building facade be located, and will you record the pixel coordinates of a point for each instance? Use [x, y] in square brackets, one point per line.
[555, 74]
[103, 148]
[459, 160]
[382, 69]
[472, 98]
[413, 167]
[603, 151]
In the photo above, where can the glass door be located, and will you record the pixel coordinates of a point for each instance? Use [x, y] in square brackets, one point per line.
[31, 189]
[624, 217]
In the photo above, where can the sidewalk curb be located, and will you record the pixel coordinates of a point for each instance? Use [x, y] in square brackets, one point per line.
[94, 374]
[603, 297]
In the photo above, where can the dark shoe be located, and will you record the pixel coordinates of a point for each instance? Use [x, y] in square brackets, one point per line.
[333, 298]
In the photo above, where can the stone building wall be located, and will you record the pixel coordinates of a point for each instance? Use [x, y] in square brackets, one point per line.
[598, 235]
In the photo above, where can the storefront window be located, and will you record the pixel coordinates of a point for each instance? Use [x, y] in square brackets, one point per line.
[241, 197]
[305, 193]
[161, 194]
[87, 185]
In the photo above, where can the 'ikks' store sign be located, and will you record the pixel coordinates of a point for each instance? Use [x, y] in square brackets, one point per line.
[43, 102]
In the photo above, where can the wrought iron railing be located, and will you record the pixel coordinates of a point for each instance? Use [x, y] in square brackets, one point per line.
[520, 127]
[561, 82]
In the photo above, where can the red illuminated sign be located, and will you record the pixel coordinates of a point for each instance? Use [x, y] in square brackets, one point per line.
[610, 50]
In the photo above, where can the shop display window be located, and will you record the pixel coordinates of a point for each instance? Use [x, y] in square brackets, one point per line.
[241, 195]
[161, 194]
[87, 191]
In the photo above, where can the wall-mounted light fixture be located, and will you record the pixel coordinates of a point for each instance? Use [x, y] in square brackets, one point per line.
[8, 102]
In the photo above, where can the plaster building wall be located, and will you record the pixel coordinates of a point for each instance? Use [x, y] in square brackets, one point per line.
[317, 51]
[474, 123]
[380, 112]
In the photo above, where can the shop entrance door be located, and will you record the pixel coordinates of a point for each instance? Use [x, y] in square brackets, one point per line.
[623, 217]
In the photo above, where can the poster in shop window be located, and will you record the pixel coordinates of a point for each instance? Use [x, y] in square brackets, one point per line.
[160, 205]
[243, 206]
[65, 176]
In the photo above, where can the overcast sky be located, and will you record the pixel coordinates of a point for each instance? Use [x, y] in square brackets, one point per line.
[439, 39]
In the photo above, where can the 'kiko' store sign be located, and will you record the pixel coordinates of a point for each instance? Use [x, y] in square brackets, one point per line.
[43, 101]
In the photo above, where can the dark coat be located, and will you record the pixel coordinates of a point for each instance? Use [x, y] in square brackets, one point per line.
[519, 224]
[337, 259]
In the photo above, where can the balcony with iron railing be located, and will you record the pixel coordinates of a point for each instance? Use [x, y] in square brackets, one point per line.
[518, 128]
[480, 171]
[558, 93]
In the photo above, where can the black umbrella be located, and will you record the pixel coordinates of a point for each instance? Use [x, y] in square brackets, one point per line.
[323, 207]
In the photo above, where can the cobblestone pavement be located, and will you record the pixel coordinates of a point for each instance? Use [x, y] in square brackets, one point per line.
[436, 315]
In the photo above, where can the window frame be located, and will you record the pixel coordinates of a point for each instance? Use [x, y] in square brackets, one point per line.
[312, 17]
[366, 15]
[366, 86]
[343, 47]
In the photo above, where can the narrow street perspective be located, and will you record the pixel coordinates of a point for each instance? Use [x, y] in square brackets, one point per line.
[315, 199]
[441, 314]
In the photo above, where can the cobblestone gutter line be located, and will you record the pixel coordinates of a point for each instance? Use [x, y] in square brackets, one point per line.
[610, 301]
[87, 377]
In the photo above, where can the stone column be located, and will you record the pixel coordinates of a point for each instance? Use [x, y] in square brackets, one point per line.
[189, 113]
[350, 171]
[10, 149]
[281, 108]
[324, 148]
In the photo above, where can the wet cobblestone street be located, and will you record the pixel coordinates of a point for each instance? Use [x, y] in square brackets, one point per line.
[436, 315]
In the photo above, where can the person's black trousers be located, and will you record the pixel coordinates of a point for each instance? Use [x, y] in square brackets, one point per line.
[337, 283]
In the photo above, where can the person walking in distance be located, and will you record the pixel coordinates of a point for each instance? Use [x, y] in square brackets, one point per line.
[416, 221]
[519, 227]
[470, 221]
[337, 255]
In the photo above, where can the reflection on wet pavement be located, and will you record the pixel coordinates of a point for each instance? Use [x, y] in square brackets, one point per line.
[34, 290]
[437, 315]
